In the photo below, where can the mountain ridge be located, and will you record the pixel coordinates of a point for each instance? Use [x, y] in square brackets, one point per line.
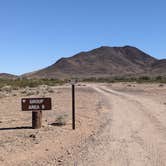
[103, 62]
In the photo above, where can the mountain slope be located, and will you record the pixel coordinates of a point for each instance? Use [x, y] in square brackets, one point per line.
[103, 62]
[159, 67]
[7, 76]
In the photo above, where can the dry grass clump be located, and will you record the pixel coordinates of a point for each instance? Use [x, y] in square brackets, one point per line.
[60, 120]
[7, 89]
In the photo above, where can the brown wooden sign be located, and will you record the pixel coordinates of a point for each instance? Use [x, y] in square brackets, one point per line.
[36, 104]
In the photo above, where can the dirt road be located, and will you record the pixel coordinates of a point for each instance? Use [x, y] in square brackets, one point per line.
[135, 135]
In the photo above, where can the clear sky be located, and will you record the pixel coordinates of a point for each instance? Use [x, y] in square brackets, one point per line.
[36, 33]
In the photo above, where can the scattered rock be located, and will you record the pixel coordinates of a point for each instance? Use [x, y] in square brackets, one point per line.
[36, 142]
[68, 152]
[14, 94]
[60, 160]
[32, 136]
[161, 85]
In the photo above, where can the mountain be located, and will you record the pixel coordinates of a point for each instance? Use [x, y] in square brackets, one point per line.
[104, 62]
[159, 67]
[7, 76]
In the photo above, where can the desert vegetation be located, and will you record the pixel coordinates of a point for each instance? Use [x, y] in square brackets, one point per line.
[22, 83]
[141, 79]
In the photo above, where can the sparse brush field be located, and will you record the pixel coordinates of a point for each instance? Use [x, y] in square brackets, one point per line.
[22, 83]
[141, 79]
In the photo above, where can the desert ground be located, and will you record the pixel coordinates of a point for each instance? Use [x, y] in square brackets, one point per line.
[119, 124]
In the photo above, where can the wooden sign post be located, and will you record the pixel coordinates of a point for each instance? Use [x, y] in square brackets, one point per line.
[36, 119]
[36, 105]
[73, 82]
[73, 106]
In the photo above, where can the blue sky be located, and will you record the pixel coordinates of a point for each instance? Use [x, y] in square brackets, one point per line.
[36, 33]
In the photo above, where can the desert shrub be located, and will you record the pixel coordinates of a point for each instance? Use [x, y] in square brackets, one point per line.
[141, 79]
[60, 120]
[158, 78]
[144, 79]
[110, 79]
[50, 90]
[7, 89]
[161, 85]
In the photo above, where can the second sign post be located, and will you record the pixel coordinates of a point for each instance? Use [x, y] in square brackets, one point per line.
[73, 106]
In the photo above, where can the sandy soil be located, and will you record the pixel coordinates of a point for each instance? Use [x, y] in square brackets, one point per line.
[120, 124]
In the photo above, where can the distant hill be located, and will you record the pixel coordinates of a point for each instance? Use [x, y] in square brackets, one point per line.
[7, 76]
[104, 62]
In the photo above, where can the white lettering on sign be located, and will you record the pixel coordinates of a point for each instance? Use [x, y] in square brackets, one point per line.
[24, 101]
[43, 107]
[36, 101]
[33, 107]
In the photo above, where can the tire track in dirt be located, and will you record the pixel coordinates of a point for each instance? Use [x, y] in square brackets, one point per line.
[134, 136]
[156, 152]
